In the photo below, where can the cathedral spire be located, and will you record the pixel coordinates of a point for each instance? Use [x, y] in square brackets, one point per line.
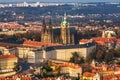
[64, 22]
[50, 23]
[43, 23]
[65, 16]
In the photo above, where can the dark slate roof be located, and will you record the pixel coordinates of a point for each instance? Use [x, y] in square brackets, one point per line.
[70, 46]
[10, 40]
[49, 48]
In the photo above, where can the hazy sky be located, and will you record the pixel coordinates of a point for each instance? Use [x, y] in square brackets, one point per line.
[60, 0]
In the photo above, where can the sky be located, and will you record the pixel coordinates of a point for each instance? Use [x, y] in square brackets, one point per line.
[2, 1]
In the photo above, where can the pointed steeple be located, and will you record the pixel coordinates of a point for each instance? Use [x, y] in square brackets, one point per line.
[50, 23]
[64, 22]
[43, 23]
[65, 16]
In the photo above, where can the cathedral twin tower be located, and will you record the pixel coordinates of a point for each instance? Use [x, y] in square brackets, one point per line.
[61, 35]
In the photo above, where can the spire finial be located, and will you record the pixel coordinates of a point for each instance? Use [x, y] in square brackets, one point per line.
[65, 16]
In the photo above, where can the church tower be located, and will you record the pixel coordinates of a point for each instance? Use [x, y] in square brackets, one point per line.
[47, 33]
[65, 31]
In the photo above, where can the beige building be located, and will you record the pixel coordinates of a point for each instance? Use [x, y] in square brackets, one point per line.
[7, 62]
[35, 56]
[22, 52]
[12, 32]
[4, 50]
[72, 69]
[65, 52]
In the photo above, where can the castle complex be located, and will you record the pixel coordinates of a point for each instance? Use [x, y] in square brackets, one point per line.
[63, 35]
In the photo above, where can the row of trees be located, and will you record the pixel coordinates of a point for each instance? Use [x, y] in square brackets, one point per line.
[100, 54]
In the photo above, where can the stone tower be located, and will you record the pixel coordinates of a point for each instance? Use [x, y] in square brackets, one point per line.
[47, 33]
[65, 31]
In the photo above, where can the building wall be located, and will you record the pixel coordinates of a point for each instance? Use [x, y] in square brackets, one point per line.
[4, 50]
[66, 54]
[72, 71]
[90, 49]
[8, 63]
[35, 56]
[22, 52]
[51, 54]
[31, 57]
[12, 32]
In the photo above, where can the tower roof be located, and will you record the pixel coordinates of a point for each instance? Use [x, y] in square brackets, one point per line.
[64, 22]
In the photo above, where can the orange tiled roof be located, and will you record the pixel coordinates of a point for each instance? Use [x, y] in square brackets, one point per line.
[88, 74]
[103, 41]
[71, 65]
[111, 77]
[85, 40]
[38, 44]
[7, 56]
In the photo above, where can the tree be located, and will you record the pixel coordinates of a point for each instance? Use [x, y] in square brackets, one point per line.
[78, 78]
[76, 58]
[1, 53]
[44, 71]
[118, 33]
[88, 59]
[17, 67]
[99, 55]
[117, 52]
[108, 57]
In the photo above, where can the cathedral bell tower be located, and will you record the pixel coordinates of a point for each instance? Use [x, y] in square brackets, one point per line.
[47, 33]
[65, 31]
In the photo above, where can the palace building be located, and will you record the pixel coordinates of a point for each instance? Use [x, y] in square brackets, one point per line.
[63, 35]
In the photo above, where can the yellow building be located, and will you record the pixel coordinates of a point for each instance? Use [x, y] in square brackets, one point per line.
[71, 68]
[7, 62]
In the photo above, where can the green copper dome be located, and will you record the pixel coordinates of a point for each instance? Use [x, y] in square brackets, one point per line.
[64, 22]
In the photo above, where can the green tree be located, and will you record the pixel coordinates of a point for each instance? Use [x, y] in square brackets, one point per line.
[108, 57]
[99, 55]
[44, 71]
[76, 58]
[117, 52]
[118, 33]
[1, 53]
[88, 59]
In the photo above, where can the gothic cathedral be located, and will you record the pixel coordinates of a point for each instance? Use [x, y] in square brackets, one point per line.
[65, 35]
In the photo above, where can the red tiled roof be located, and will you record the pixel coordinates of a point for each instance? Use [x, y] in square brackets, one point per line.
[111, 77]
[103, 41]
[85, 40]
[71, 65]
[7, 56]
[88, 74]
[38, 44]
